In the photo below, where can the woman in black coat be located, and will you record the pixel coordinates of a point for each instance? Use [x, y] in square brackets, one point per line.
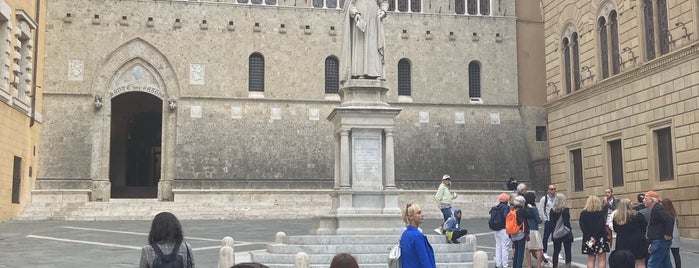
[559, 210]
[630, 228]
[594, 240]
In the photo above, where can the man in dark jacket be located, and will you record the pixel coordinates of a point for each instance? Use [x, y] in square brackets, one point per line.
[659, 233]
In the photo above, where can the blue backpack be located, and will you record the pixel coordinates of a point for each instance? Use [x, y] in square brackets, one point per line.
[497, 219]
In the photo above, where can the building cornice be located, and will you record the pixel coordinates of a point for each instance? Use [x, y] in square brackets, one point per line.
[657, 65]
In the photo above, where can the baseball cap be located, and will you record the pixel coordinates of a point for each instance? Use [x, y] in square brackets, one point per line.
[652, 194]
[446, 177]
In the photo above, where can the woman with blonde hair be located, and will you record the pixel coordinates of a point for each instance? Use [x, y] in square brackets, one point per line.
[560, 211]
[415, 250]
[630, 228]
[594, 233]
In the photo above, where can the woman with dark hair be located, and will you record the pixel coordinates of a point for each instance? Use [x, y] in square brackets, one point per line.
[165, 237]
[344, 260]
[630, 227]
[622, 258]
[675, 246]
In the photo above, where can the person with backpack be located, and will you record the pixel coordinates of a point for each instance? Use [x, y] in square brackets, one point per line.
[166, 248]
[452, 228]
[517, 229]
[497, 224]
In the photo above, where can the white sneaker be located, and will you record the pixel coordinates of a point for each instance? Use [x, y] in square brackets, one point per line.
[561, 257]
[438, 231]
[547, 256]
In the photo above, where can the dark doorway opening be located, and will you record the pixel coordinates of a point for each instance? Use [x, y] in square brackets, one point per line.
[135, 152]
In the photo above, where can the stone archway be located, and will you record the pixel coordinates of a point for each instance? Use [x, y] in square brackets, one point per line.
[140, 71]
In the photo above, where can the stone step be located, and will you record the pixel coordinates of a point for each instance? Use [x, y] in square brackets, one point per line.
[377, 258]
[376, 265]
[358, 248]
[354, 239]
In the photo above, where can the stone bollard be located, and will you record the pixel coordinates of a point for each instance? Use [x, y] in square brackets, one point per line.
[227, 241]
[480, 259]
[226, 255]
[471, 239]
[302, 260]
[279, 238]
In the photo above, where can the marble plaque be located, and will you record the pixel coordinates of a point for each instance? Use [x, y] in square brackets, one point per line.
[195, 112]
[313, 114]
[424, 117]
[459, 118]
[495, 118]
[276, 113]
[366, 159]
[75, 70]
[196, 74]
[236, 112]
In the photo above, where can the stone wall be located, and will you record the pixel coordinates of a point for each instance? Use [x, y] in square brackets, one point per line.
[646, 96]
[282, 139]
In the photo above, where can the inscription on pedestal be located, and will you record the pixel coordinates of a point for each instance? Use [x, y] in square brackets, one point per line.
[366, 160]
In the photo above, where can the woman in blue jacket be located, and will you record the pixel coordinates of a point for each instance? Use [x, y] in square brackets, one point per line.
[416, 251]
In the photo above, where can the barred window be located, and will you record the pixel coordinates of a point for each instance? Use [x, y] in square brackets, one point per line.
[403, 5]
[663, 141]
[332, 77]
[616, 163]
[318, 3]
[415, 5]
[472, 7]
[474, 79]
[614, 41]
[485, 7]
[459, 6]
[256, 73]
[576, 170]
[404, 77]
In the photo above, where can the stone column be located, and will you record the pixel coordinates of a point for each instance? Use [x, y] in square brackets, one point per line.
[344, 159]
[390, 160]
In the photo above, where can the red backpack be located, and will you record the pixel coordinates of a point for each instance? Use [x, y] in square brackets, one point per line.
[511, 226]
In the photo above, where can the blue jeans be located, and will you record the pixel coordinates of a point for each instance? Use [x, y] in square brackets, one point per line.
[446, 212]
[548, 229]
[659, 254]
[518, 259]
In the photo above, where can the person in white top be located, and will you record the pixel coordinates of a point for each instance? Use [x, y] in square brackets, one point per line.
[545, 205]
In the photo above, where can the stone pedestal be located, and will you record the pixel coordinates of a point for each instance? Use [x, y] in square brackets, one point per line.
[365, 198]
[101, 190]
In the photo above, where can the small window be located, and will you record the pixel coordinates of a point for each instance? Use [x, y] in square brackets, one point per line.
[415, 5]
[472, 7]
[403, 5]
[474, 79]
[404, 77]
[616, 163]
[541, 133]
[460, 6]
[317, 3]
[576, 169]
[256, 73]
[665, 165]
[332, 77]
[16, 179]
[485, 7]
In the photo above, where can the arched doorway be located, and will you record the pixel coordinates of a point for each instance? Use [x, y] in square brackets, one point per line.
[135, 146]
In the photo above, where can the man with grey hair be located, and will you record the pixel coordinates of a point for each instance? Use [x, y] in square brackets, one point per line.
[659, 232]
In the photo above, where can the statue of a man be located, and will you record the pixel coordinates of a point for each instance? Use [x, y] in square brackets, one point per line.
[363, 44]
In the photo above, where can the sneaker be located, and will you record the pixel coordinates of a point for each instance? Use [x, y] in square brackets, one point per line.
[561, 257]
[547, 256]
[438, 231]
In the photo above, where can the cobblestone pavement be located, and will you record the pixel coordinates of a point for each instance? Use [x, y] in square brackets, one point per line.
[118, 243]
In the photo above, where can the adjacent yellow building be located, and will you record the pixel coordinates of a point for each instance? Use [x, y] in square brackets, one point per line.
[622, 94]
[20, 100]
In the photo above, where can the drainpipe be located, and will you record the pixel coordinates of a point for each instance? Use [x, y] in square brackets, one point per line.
[36, 53]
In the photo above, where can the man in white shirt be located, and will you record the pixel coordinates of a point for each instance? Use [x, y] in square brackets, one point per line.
[544, 207]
